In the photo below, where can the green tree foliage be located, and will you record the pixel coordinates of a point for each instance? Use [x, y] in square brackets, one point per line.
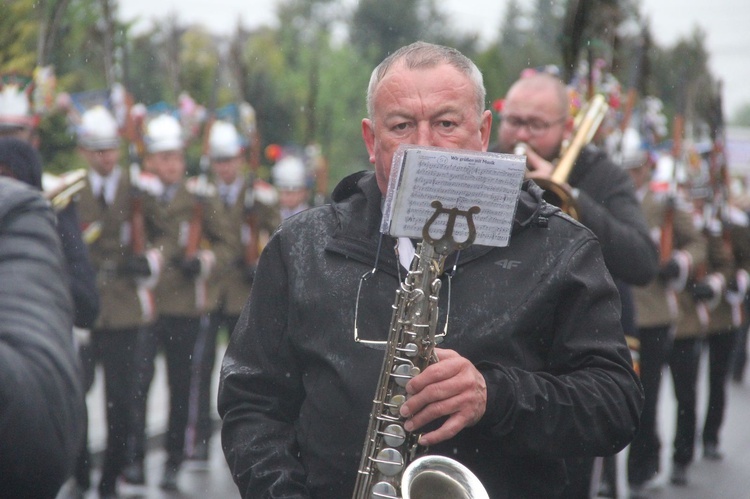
[19, 28]
[379, 27]
[200, 64]
[681, 75]
[307, 77]
[142, 69]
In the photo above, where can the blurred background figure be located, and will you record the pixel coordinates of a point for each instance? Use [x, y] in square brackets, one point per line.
[195, 246]
[42, 413]
[682, 252]
[127, 267]
[16, 118]
[289, 176]
[250, 206]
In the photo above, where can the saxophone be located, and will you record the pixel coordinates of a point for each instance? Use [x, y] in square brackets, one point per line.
[389, 467]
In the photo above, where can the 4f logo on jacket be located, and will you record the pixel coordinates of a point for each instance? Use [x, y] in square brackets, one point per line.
[508, 264]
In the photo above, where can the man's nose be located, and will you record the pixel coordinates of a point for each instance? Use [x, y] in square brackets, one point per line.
[522, 133]
[424, 135]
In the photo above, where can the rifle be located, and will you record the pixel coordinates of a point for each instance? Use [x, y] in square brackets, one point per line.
[249, 126]
[133, 134]
[195, 228]
[666, 240]
[719, 171]
[252, 248]
[320, 168]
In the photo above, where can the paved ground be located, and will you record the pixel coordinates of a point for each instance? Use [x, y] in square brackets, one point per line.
[729, 478]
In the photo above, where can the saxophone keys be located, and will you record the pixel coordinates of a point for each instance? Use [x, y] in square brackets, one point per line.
[410, 350]
[394, 435]
[389, 461]
[403, 373]
[394, 404]
[384, 489]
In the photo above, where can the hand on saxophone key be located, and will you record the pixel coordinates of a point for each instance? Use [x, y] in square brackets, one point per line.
[453, 388]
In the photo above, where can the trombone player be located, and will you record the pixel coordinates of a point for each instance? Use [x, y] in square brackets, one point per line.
[535, 113]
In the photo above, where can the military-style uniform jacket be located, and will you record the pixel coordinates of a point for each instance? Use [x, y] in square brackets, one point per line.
[125, 301]
[261, 202]
[718, 314]
[732, 248]
[177, 294]
[656, 302]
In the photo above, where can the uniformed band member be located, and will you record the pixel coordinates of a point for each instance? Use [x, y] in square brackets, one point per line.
[289, 176]
[125, 274]
[16, 118]
[656, 303]
[250, 206]
[711, 314]
[196, 243]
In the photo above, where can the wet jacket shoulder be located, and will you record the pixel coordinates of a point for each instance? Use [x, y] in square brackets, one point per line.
[41, 401]
[539, 318]
[609, 207]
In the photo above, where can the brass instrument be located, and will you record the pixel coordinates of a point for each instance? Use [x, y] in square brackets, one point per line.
[60, 190]
[388, 468]
[586, 124]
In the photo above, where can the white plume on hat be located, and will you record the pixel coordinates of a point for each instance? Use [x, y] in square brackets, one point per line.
[289, 173]
[15, 108]
[98, 130]
[164, 133]
[223, 141]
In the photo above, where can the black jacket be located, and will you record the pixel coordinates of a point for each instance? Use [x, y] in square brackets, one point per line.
[41, 401]
[539, 318]
[608, 206]
[25, 165]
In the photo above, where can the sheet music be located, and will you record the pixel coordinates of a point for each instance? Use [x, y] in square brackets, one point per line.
[456, 178]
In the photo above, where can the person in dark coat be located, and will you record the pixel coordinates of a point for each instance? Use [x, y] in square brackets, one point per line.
[41, 400]
[534, 368]
[23, 162]
[536, 113]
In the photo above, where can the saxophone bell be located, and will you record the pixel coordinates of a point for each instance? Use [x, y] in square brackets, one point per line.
[438, 477]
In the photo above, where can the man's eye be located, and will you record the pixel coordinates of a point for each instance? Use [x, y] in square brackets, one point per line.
[447, 124]
[401, 126]
[514, 121]
[537, 125]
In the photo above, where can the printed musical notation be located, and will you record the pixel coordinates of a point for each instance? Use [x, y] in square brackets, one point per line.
[456, 178]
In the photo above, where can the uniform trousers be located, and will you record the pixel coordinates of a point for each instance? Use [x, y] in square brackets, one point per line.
[645, 449]
[684, 363]
[114, 349]
[200, 420]
[176, 336]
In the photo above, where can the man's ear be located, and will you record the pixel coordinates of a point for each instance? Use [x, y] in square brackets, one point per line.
[485, 129]
[368, 135]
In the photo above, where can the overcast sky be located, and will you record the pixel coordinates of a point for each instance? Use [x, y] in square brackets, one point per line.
[724, 21]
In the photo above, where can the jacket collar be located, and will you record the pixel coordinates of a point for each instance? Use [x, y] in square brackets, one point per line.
[357, 203]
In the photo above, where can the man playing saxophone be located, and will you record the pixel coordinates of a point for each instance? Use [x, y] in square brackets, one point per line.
[534, 368]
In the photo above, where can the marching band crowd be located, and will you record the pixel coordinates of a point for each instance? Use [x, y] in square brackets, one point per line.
[160, 262]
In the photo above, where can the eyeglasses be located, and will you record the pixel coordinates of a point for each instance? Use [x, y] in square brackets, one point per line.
[535, 126]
